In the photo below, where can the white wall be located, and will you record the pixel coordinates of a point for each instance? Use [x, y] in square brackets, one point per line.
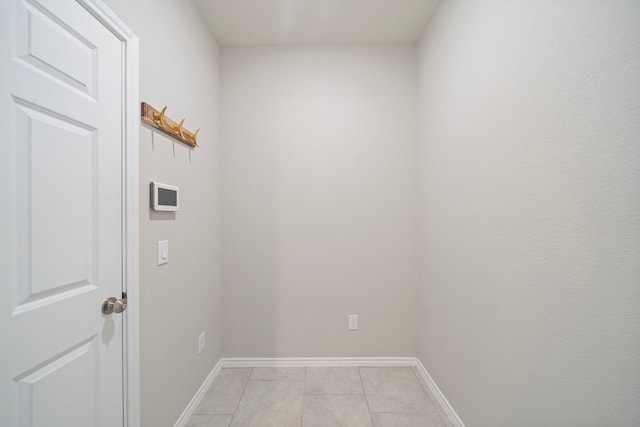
[319, 200]
[530, 169]
[178, 68]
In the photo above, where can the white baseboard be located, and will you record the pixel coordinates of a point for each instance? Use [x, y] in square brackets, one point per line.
[444, 403]
[292, 362]
[274, 362]
[186, 414]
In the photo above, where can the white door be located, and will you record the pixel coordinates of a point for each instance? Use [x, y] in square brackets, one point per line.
[61, 216]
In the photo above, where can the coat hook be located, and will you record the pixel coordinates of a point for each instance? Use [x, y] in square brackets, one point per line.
[179, 129]
[159, 118]
[194, 138]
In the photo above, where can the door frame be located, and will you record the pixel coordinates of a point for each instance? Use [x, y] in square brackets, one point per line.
[130, 202]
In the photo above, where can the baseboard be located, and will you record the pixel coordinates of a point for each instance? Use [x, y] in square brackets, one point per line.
[444, 403]
[292, 362]
[274, 362]
[184, 417]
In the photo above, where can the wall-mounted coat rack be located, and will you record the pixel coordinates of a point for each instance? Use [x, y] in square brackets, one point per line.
[158, 120]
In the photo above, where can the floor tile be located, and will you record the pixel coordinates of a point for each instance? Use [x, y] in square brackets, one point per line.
[225, 392]
[335, 411]
[434, 400]
[407, 420]
[394, 389]
[270, 404]
[319, 397]
[416, 372]
[278, 374]
[445, 418]
[209, 421]
[333, 380]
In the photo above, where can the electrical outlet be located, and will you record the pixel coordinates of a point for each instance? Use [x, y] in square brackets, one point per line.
[201, 342]
[353, 322]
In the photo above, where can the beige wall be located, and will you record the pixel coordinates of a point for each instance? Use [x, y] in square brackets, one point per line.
[528, 308]
[530, 166]
[178, 68]
[319, 200]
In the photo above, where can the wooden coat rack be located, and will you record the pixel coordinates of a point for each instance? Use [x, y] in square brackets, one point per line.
[158, 120]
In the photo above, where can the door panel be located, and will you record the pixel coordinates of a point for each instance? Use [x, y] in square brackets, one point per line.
[61, 233]
[49, 44]
[46, 185]
[68, 381]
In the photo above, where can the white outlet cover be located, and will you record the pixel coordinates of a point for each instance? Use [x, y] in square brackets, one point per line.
[163, 252]
[201, 343]
[353, 322]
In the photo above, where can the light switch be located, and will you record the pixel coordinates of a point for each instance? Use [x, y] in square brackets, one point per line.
[163, 252]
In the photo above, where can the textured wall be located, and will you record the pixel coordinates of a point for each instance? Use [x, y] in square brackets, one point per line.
[179, 300]
[530, 176]
[319, 200]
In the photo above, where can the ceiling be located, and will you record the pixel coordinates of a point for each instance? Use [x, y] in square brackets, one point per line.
[263, 22]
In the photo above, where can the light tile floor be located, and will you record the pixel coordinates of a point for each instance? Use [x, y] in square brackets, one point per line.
[319, 397]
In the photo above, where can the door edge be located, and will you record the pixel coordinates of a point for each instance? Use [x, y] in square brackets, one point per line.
[130, 202]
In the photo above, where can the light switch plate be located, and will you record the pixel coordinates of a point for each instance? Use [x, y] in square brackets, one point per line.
[163, 252]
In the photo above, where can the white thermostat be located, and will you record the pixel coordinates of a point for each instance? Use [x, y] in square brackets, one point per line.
[164, 197]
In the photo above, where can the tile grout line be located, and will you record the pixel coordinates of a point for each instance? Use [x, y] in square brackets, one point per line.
[241, 396]
[366, 397]
[334, 394]
[304, 387]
